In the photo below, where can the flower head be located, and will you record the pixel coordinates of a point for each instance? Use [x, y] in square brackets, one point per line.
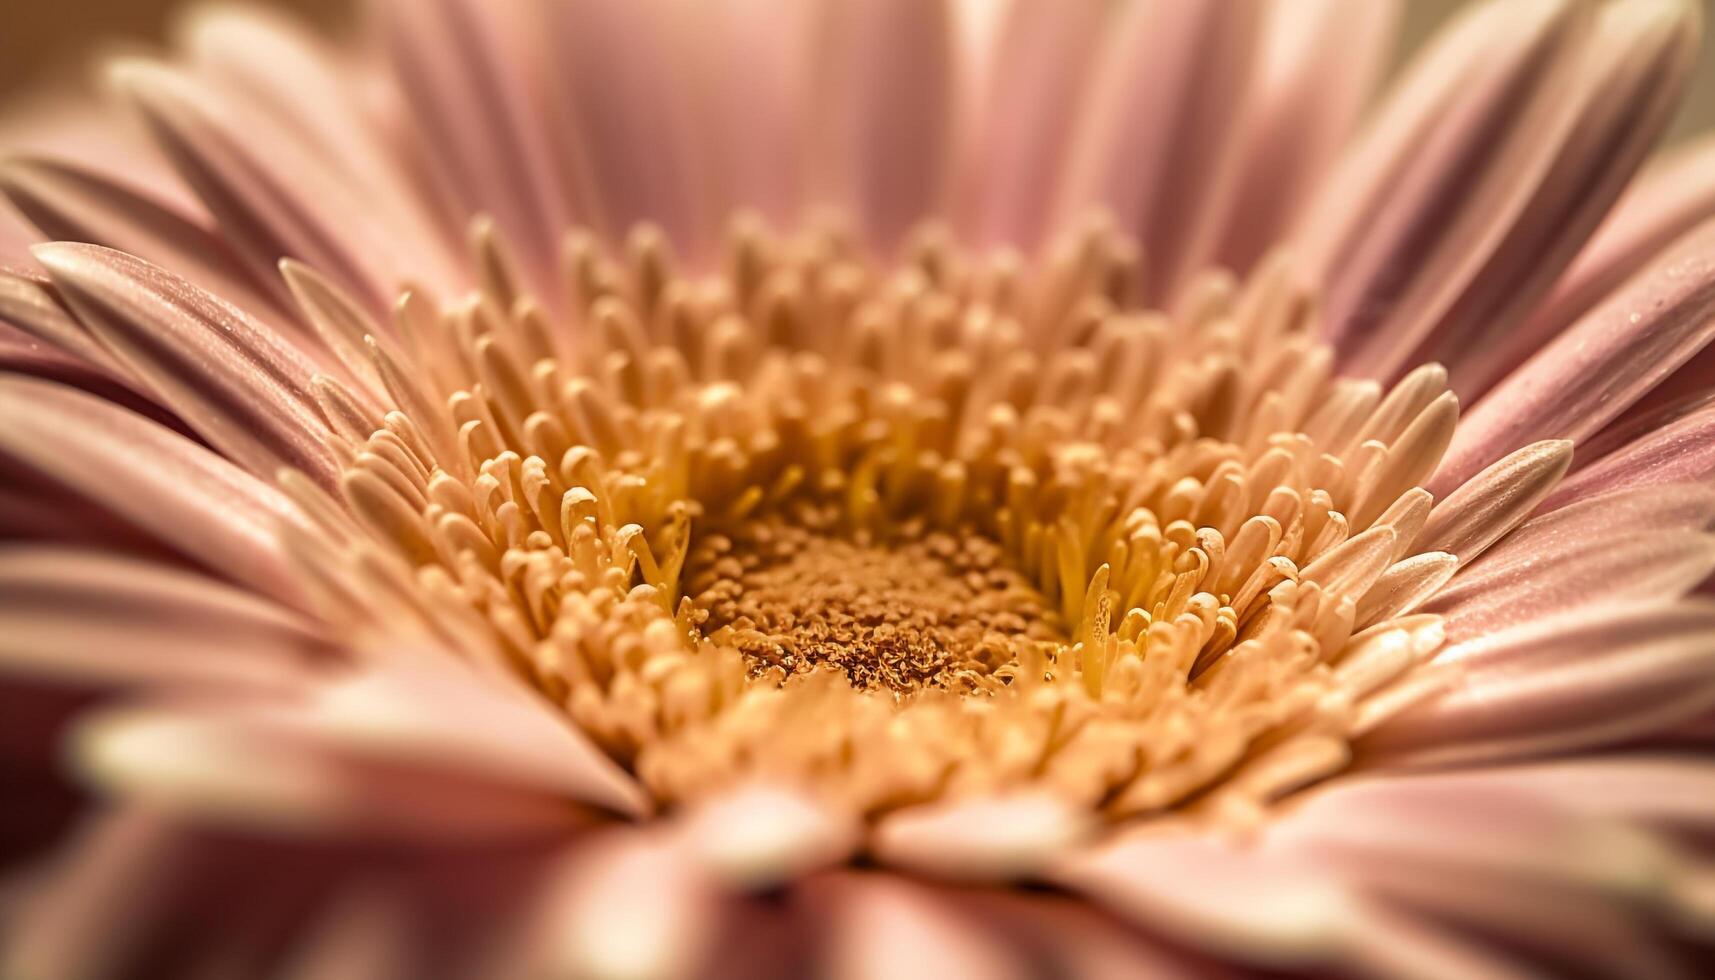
[645, 489]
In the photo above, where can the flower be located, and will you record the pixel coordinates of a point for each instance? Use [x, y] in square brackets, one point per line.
[639, 489]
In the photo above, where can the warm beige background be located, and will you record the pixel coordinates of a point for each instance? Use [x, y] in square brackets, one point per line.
[41, 40]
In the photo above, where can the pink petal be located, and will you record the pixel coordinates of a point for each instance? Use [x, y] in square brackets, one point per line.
[1618, 547]
[1666, 450]
[1429, 192]
[188, 497]
[1493, 502]
[886, 927]
[980, 839]
[1157, 145]
[753, 80]
[1636, 66]
[237, 384]
[1591, 373]
[1593, 677]
[621, 82]
[1186, 886]
[762, 836]
[1024, 122]
[627, 905]
[472, 103]
[1671, 197]
[71, 203]
[273, 196]
[84, 616]
[1320, 62]
[888, 109]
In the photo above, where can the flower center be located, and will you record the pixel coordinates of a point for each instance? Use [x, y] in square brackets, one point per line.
[924, 609]
[939, 529]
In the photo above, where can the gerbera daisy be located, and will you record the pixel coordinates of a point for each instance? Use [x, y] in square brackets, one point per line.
[884, 488]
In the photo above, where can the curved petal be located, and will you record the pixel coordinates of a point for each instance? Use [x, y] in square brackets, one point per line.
[1157, 145]
[1670, 198]
[85, 616]
[981, 839]
[1666, 450]
[191, 499]
[885, 927]
[1589, 678]
[1319, 65]
[1591, 373]
[234, 382]
[1023, 127]
[889, 109]
[483, 137]
[1433, 186]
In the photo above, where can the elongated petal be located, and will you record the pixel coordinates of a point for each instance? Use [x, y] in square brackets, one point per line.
[1599, 367]
[1157, 146]
[1670, 198]
[621, 84]
[87, 617]
[754, 75]
[1185, 884]
[991, 839]
[1517, 585]
[188, 497]
[628, 905]
[1666, 450]
[889, 927]
[1639, 58]
[1040, 69]
[762, 836]
[1493, 502]
[482, 132]
[1320, 62]
[273, 197]
[238, 385]
[1448, 167]
[1593, 677]
[888, 108]
[71, 203]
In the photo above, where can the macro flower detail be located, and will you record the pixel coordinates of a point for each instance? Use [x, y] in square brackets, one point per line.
[900, 488]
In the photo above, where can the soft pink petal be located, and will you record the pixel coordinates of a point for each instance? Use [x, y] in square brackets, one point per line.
[480, 124]
[1671, 197]
[629, 904]
[88, 617]
[1024, 119]
[1665, 450]
[1639, 59]
[1591, 373]
[886, 927]
[1492, 857]
[273, 196]
[761, 836]
[888, 110]
[753, 79]
[980, 839]
[1185, 885]
[188, 497]
[1320, 62]
[631, 131]
[1157, 145]
[237, 384]
[1592, 677]
[69, 202]
[1447, 168]
[1558, 570]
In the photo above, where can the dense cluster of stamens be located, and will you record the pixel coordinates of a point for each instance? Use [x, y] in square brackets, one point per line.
[958, 525]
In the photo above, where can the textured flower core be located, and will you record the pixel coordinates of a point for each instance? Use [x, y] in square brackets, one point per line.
[958, 526]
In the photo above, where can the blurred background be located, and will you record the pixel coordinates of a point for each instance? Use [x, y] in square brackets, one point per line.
[40, 41]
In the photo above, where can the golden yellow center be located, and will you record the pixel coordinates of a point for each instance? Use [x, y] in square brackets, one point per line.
[895, 533]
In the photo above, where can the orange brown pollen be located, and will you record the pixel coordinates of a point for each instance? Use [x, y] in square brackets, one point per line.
[956, 526]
